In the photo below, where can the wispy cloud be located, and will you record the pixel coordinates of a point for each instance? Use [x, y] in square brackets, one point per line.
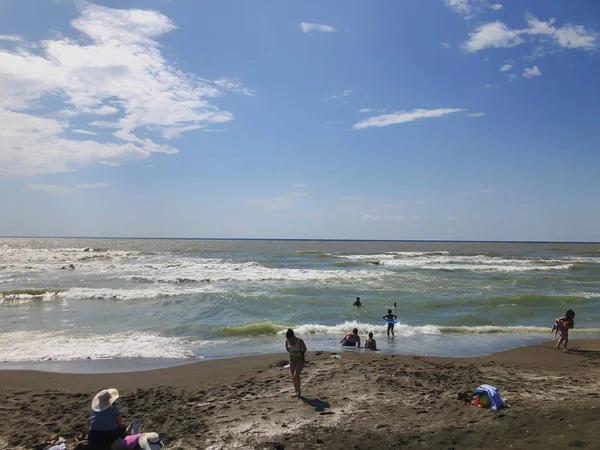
[497, 6]
[445, 44]
[388, 217]
[505, 67]
[113, 69]
[482, 191]
[347, 92]
[91, 185]
[532, 72]
[492, 35]
[498, 35]
[10, 37]
[285, 201]
[307, 27]
[403, 117]
[475, 115]
[365, 110]
[86, 132]
[50, 189]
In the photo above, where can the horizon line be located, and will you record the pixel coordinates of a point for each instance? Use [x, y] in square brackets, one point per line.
[303, 239]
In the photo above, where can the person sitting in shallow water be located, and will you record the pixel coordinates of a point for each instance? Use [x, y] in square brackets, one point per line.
[370, 344]
[352, 339]
[357, 303]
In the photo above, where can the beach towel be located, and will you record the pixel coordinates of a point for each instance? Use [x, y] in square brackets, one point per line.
[496, 401]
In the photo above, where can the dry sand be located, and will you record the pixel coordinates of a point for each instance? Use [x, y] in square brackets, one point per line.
[363, 401]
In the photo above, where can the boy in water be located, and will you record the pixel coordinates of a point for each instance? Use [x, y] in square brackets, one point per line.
[395, 305]
[563, 324]
[390, 316]
[357, 303]
[370, 344]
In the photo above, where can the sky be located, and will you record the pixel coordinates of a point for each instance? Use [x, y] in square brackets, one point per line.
[413, 119]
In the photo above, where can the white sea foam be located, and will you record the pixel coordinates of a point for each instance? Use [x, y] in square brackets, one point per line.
[364, 328]
[68, 346]
[475, 263]
[114, 294]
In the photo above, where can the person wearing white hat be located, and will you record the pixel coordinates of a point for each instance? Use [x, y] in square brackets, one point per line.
[150, 441]
[107, 423]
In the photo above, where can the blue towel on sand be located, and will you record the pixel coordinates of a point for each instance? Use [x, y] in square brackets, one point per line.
[496, 402]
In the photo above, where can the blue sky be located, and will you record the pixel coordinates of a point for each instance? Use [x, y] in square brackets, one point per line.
[419, 119]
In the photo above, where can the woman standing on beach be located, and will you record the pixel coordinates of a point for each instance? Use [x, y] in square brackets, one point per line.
[296, 348]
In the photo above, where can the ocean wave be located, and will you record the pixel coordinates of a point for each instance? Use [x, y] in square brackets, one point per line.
[253, 329]
[69, 346]
[103, 294]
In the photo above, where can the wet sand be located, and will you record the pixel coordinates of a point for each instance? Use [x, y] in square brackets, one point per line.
[362, 401]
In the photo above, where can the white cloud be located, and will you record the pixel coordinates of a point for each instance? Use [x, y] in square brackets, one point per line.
[571, 36]
[347, 92]
[388, 217]
[488, 86]
[365, 110]
[91, 185]
[10, 37]
[497, 6]
[50, 189]
[307, 27]
[285, 201]
[115, 68]
[492, 35]
[445, 44]
[487, 59]
[512, 76]
[403, 116]
[80, 131]
[462, 7]
[533, 72]
[498, 35]
[505, 67]
[475, 115]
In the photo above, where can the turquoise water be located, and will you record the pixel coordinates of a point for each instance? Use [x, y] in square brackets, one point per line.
[165, 301]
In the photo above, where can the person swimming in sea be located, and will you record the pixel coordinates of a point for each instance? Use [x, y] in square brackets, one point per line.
[357, 303]
[395, 305]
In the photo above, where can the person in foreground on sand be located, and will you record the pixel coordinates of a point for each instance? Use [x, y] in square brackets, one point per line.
[296, 348]
[390, 316]
[370, 344]
[357, 303]
[563, 324]
[107, 424]
[352, 339]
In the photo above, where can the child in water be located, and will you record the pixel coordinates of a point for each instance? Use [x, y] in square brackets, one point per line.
[390, 316]
[563, 324]
[370, 344]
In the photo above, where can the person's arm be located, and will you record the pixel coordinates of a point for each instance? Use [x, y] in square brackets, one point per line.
[395, 316]
[302, 346]
[358, 342]
[119, 419]
[287, 348]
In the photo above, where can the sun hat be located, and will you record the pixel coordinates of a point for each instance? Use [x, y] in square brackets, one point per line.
[150, 441]
[104, 399]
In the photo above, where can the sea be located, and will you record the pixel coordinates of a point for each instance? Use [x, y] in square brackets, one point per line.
[111, 305]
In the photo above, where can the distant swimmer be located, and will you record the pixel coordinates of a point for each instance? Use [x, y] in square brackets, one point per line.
[357, 303]
[395, 305]
[370, 344]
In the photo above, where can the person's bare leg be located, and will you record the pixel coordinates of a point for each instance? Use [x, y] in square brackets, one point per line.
[566, 342]
[559, 342]
[393, 330]
[293, 370]
[297, 380]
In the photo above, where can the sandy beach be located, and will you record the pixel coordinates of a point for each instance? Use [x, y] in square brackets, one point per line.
[362, 401]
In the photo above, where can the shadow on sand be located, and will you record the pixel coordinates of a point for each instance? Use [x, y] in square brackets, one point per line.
[319, 405]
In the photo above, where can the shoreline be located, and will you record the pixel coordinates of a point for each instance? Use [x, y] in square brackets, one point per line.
[366, 399]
